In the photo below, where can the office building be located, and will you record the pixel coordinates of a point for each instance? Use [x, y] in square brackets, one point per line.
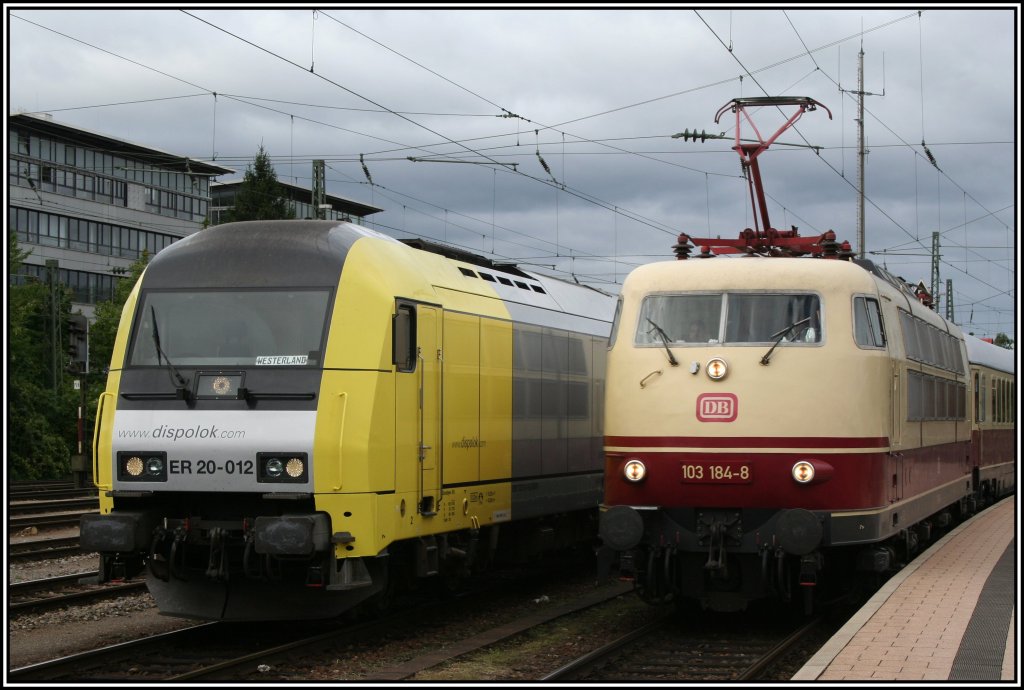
[92, 203]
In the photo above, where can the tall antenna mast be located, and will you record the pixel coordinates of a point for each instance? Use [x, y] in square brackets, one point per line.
[319, 190]
[861, 150]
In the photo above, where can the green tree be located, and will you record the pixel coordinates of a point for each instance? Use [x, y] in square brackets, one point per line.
[1003, 340]
[261, 196]
[41, 403]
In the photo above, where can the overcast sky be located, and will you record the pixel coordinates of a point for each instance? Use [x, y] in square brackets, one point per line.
[593, 94]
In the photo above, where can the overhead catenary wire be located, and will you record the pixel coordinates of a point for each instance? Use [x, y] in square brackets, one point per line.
[214, 94]
[543, 151]
[568, 190]
[929, 156]
[385, 110]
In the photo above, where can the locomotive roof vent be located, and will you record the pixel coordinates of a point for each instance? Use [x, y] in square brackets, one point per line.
[461, 255]
[470, 273]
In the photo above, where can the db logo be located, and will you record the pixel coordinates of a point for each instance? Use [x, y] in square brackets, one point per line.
[717, 407]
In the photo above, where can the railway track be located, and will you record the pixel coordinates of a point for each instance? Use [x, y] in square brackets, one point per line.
[44, 521]
[39, 485]
[730, 651]
[487, 638]
[47, 505]
[43, 549]
[55, 494]
[34, 596]
[666, 650]
[228, 651]
[19, 507]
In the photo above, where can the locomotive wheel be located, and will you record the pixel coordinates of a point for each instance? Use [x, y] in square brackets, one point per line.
[382, 601]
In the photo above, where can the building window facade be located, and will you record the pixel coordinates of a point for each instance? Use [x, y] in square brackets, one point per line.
[51, 165]
[86, 287]
[95, 237]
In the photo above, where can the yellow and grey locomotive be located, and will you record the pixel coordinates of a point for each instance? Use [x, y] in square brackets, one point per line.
[301, 413]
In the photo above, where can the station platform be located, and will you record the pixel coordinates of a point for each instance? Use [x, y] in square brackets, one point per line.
[950, 615]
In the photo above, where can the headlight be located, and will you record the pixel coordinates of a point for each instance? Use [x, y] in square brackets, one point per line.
[274, 468]
[282, 467]
[134, 466]
[154, 466]
[634, 470]
[717, 368]
[140, 466]
[803, 472]
[295, 467]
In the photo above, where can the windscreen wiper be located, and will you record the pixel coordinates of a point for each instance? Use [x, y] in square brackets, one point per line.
[664, 339]
[780, 335]
[180, 385]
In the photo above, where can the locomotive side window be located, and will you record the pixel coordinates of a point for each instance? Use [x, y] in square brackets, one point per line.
[867, 322]
[927, 344]
[931, 398]
[403, 345]
[909, 335]
[615, 323]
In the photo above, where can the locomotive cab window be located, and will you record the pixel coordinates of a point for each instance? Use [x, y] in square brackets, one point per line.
[679, 319]
[730, 318]
[230, 328]
[765, 318]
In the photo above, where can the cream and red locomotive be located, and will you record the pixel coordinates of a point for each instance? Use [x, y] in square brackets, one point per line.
[782, 423]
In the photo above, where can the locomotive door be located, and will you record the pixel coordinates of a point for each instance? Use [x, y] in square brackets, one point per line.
[895, 465]
[428, 352]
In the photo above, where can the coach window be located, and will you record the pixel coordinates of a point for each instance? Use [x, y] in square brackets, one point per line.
[997, 415]
[979, 400]
[403, 350]
[867, 322]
